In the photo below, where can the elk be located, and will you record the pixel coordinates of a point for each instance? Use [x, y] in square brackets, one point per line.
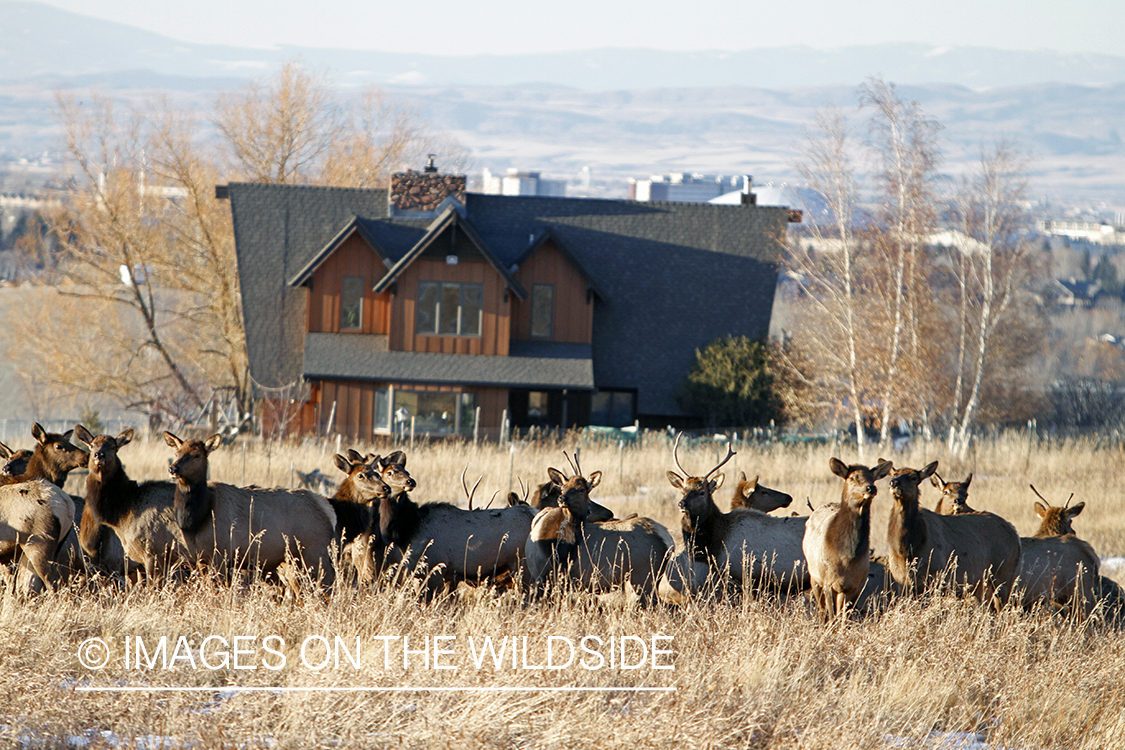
[15, 462]
[979, 551]
[440, 543]
[599, 556]
[34, 517]
[230, 526]
[837, 537]
[750, 494]
[1057, 569]
[356, 512]
[954, 495]
[742, 546]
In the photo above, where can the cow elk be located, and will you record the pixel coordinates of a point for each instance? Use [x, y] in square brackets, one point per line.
[837, 537]
[566, 548]
[15, 462]
[357, 514]
[979, 552]
[1057, 569]
[954, 495]
[751, 494]
[745, 547]
[34, 517]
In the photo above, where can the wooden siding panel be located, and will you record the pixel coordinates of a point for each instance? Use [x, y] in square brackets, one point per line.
[353, 258]
[495, 312]
[573, 316]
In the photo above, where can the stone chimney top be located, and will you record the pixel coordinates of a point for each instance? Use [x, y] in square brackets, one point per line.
[425, 191]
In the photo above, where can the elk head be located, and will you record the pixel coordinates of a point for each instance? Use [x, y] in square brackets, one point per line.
[749, 494]
[954, 495]
[393, 470]
[15, 462]
[56, 454]
[368, 481]
[905, 482]
[859, 481]
[1053, 520]
[189, 465]
[103, 461]
[697, 500]
[574, 491]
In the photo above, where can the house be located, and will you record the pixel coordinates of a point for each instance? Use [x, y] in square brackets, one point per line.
[427, 305]
[1075, 293]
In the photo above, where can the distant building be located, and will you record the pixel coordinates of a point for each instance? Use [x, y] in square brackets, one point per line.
[517, 182]
[1096, 232]
[681, 187]
[1076, 293]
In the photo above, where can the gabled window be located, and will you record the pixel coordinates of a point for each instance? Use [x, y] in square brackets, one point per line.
[542, 310]
[351, 303]
[449, 309]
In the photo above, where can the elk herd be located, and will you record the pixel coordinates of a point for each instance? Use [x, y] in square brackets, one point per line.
[553, 538]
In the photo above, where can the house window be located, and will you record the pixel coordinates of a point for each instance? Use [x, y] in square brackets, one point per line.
[432, 412]
[449, 309]
[382, 416]
[542, 310]
[351, 303]
[613, 408]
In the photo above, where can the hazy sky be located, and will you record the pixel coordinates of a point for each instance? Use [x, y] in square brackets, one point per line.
[519, 26]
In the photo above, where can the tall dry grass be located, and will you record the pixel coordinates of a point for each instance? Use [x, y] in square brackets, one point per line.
[758, 674]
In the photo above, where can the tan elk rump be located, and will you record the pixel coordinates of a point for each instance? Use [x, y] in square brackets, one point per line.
[34, 517]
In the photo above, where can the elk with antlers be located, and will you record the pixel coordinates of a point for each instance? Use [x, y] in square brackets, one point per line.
[979, 551]
[742, 546]
[1057, 569]
[564, 546]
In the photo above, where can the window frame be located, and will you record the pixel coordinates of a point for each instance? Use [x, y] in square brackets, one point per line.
[436, 312]
[359, 303]
[550, 288]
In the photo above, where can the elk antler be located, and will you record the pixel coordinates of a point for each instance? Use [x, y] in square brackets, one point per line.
[676, 456]
[573, 464]
[525, 489]
[730, 455]
[465, 486]
[1032, 486]
[1067, 505]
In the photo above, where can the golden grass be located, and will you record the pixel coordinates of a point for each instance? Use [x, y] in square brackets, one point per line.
[759, 674]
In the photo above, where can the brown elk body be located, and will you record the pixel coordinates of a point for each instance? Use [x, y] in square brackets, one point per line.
[247, 527]
[748, 493]
[357, 514]
[1057, 569]
[954, 496]
[34, 517]
[744, 546]
[980, 551]
[837, 539]
[565, 546]
[440, 543]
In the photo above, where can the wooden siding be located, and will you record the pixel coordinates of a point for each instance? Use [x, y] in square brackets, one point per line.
[495, 331]
[353, 258]
[355, 406]
[572, 320]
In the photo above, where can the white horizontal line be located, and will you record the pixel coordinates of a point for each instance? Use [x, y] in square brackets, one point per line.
[404, 689]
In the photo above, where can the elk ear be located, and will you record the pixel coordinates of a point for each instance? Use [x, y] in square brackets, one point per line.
[595, 479]
[513, 500]
[5, 451]
[38, 433]
[68, 435]
[342, 463]
[355, 456]
[676, 480]
[754, 482]
[125, 437]
[968, 480]
[213, 442]
[556, 476]
[83, 435]
[1074, 510]
[935, 480]
[398, 458]
[717, 482]
[1040, 509]
[883, 468]
[929, 469]
[172, 440]
[741, 477]
[838, 467]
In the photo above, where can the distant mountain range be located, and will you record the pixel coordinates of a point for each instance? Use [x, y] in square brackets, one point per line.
[38, 40]
[621, 112]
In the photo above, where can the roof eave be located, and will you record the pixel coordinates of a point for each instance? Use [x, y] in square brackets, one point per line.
[353, 226]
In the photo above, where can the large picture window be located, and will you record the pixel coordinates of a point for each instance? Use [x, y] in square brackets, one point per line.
[542, 310]
[433, 412]
[449, 309]
[351, 303]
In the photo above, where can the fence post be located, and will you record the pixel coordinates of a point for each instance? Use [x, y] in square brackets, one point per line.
[621, 462]
[476, 426]
[243, 463]
[412, 432]
[503, 440]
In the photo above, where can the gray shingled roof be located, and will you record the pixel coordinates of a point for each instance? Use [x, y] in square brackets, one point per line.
[675, 275]
[364, 357]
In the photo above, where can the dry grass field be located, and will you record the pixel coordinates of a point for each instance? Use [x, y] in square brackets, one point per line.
[758, 674]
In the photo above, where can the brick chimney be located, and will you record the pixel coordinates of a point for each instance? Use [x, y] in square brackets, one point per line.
[426, 190]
